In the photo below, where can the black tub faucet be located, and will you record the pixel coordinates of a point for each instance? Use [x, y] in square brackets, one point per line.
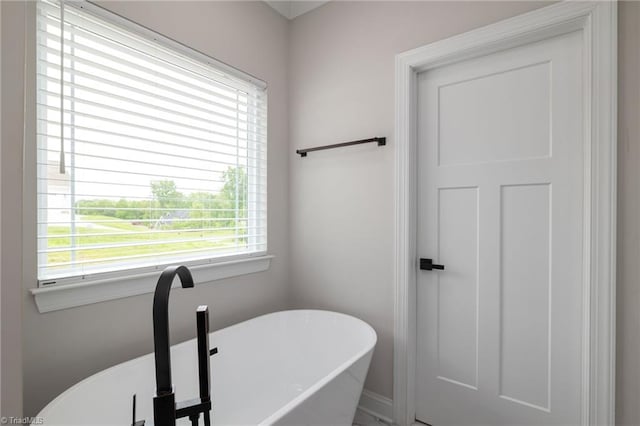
[165, 409]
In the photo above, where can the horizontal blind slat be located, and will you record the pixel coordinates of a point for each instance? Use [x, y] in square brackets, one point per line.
[254, 123]
[133, 185]
[251, 190]
[114, 221]
[137, 90]
[125, 124]
[138, 150]
[147, 243]
[215, 144]
[248, 249]
[144, 139]
[156, 176]
[154, 232]
[71, 44]
[81, 79]
[114, 71]
[150, 209]
[148, 163]
[212, 122]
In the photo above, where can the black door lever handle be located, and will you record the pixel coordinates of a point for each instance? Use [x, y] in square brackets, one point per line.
[428, 265]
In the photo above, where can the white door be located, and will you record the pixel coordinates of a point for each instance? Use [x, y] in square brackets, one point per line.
[501, 170]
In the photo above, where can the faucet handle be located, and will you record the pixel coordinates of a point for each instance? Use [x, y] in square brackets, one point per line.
[133, 419]
[204, 375]
[192, 408]
[202, 320]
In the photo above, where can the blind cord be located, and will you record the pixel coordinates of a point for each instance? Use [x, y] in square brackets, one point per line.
[62, 161]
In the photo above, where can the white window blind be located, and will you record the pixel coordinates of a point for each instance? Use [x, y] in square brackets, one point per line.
[148, 153]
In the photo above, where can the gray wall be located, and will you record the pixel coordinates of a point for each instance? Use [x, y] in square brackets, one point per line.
[63, 347]
[628, 310]
[10, 198]
[342, 88]
[342, 211]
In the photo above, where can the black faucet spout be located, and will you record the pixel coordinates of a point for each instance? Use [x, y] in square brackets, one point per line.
[161, 325]
[165, 409]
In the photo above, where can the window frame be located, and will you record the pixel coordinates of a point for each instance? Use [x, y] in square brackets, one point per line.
[62, 293]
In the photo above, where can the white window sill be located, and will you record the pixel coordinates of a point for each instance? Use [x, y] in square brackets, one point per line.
[55, 298]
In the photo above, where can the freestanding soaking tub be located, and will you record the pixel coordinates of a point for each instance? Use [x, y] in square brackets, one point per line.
[301, 367]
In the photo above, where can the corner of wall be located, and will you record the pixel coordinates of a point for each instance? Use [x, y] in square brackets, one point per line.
[13, 17]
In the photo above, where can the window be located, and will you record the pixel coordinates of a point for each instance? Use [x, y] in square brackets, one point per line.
[148, 153]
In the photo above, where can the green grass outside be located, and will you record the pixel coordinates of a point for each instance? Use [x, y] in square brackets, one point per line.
[87, 252]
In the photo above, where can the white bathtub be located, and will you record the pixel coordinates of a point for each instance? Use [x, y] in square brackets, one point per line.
[301, 367]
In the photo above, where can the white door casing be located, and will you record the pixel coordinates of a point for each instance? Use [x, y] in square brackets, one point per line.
[595, 22]
[500, 203]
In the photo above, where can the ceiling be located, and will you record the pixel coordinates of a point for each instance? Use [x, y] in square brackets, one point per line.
[292, 9]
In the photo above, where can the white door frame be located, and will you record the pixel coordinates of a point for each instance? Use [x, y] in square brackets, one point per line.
[598, 22]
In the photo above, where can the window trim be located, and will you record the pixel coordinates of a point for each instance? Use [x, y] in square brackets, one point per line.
[64, 296]
[77, 291]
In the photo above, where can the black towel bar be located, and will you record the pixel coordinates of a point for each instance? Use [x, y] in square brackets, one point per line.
[380, 140]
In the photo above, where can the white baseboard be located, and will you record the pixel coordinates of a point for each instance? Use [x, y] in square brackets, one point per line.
[376, 405]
